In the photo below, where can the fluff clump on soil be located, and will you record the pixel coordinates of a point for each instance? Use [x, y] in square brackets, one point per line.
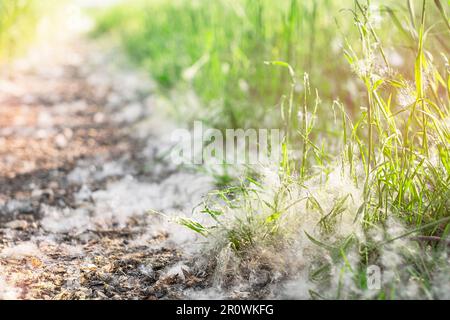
[7, 292]
[26, 249]
[303, 241]
[263, 235]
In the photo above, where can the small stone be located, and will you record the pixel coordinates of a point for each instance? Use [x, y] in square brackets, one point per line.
[36, 262]
[61, 141]
[99, 117]
[17, 224]
[38, 193]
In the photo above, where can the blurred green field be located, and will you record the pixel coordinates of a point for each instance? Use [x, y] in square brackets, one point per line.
[218, 48]
[18, 20]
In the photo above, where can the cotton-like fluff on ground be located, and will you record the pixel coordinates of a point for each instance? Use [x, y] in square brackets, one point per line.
[7, 292]
[129, 198]
[281, 239]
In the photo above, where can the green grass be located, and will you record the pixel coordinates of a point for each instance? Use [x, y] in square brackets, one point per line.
[218, 48]
[384, 126]
[18, 20]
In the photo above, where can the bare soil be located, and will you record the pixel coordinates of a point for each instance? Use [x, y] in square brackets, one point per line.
[61, 117]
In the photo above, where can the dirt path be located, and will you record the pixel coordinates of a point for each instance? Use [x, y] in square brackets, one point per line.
[80, 166]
